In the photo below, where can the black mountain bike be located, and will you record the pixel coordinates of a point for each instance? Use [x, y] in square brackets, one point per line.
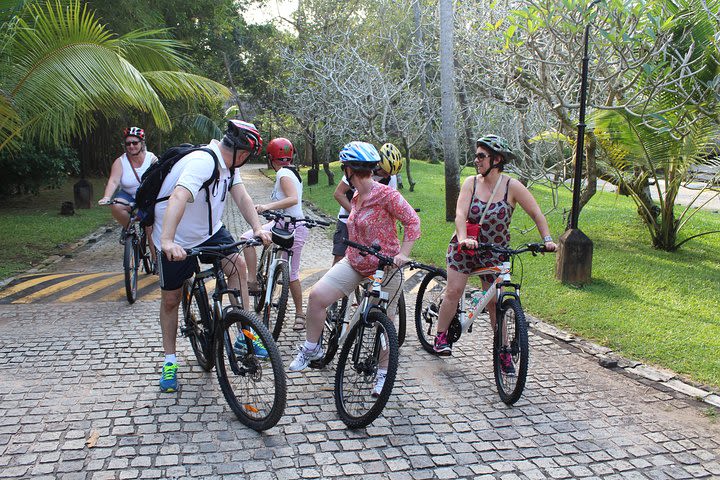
[137, 252]
[273, 270]
[247, 360]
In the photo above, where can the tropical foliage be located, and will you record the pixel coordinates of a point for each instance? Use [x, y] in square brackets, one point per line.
[61, 71]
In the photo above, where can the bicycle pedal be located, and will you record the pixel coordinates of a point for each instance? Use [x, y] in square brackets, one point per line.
[316, 364]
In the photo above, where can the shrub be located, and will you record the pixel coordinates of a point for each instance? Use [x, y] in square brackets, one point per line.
[30, 168]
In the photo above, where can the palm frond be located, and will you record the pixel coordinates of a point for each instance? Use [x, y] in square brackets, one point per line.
[183, 85]
[152, 50]
[200, 125]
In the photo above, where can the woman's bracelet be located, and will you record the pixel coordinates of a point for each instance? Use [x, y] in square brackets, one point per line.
[547, 238]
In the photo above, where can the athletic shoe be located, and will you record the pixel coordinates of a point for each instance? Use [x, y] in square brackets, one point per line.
[442, 347]
[259, 348]
[379, 384]
[168, 380]
[239, 346]
[303, 358]
[506, 364]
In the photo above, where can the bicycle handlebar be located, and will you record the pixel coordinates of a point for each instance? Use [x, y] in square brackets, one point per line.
[534, 248]
[195, 251]
[115, 201]
[373, 250]
[280, 216]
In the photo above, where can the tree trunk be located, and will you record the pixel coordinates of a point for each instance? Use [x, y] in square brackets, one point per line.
[429, 137]
[465, 110]
[447, 98]
[410, 180]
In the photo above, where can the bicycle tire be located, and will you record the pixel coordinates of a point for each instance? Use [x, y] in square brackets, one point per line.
[330, 336]
[427, 308]
[145, 254]
[274, 312]
[261, 278]
[254, 387]
[510, 314]
[130, 267]
[402, 318]
[357, 369]
[197, 317]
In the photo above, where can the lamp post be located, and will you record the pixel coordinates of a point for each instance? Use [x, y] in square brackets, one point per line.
[574, 259]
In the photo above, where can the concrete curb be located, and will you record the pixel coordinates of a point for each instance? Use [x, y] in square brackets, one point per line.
[662, 379]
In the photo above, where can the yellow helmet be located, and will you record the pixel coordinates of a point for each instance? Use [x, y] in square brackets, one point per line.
[391, 159]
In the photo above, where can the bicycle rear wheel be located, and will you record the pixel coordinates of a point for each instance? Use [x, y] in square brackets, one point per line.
[330, 336]
[252, 381]
[198, 327]
[261, 278]
[510, 351]
[402, 318]
[367, 345]
[145, 254]
[130, 266]
[274, 313]
[427, 308]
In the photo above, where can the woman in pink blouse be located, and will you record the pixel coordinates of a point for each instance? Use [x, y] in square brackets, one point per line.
[375, 210]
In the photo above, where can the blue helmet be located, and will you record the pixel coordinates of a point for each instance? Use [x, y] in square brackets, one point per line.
[359, 156]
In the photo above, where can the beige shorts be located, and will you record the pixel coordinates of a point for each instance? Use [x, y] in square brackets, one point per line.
[345, 278]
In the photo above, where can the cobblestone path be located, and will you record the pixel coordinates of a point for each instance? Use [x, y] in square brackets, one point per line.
[72, 373]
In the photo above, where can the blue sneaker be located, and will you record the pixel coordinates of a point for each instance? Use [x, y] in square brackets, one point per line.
[168, 380]
[260, 350]
[240, 347]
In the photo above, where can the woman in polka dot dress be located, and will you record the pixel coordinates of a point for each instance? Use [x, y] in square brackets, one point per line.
[491, 155]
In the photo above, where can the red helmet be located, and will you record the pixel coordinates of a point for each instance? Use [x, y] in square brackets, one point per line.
[134, 132]
[280, 150]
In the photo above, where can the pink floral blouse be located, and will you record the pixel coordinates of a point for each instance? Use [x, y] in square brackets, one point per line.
[375, 221]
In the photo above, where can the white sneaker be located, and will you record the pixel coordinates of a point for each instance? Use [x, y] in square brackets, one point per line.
[303, 358]
[379, 383]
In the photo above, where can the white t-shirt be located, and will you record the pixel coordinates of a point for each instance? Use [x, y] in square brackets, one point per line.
[277, 194]
[343, 214]
[128, 181]
[191, 172]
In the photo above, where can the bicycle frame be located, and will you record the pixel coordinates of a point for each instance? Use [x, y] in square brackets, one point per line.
[372, 288]
[496, 290]
[273, 262]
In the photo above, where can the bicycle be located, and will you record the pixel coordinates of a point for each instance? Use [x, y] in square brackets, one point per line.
[232, 340]
[366, 336]
[273, 271]
[511, 350]
[137, 251]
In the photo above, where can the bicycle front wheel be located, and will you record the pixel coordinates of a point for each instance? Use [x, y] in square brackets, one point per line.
[370, 346]
[130, 265]
[198, 328]
[274, 313]
[401, 317]
[249, 370]
[510, 351]
[261, 278]
[427, 308]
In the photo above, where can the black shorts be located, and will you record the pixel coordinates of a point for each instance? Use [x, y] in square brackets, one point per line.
[341, 233]
[173, 274]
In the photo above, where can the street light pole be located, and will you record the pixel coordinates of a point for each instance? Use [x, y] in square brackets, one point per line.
[574, 259]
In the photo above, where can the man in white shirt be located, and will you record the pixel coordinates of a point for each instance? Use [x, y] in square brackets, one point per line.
[192, 216]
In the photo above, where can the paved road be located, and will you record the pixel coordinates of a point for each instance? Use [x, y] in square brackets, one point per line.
[72, 372]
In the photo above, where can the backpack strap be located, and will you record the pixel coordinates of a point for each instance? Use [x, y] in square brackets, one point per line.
[294, 170]
[214, 178]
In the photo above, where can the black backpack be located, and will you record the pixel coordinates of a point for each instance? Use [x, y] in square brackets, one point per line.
[147, 193]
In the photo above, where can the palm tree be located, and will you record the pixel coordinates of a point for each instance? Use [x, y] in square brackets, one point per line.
[60, 69]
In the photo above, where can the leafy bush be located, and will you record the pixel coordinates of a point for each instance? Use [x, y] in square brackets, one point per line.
[30, 168]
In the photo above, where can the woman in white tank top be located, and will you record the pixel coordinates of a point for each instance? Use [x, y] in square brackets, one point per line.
[126, 172]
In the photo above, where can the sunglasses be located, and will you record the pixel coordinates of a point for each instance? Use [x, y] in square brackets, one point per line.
[481, 155]
[127, 144]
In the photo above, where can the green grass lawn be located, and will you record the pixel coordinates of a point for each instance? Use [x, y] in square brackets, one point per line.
[658, 307]
[32, 228]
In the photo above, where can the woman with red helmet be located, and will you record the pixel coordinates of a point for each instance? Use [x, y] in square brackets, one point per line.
[286, 197]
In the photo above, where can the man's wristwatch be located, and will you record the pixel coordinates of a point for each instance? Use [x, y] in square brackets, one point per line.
[547, 238]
